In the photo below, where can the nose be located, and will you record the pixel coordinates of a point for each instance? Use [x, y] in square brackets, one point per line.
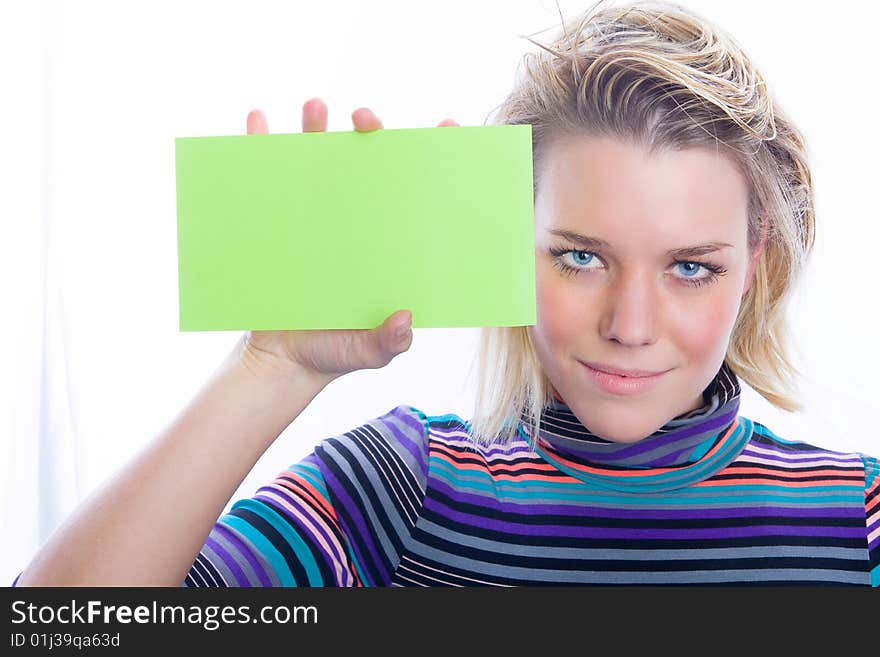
[629, 312]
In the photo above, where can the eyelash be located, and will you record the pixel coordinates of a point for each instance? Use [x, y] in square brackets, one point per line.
[715, 271]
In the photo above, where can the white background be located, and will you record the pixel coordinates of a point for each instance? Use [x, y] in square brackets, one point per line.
[94, 93]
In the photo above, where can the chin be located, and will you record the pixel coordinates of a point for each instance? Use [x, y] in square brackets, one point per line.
[624, 438]
[620, 432]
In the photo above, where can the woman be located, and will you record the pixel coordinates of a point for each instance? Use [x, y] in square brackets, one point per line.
[673, 219]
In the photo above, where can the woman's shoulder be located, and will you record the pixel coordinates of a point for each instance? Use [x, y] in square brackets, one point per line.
[804, 452]
[404, 428]
[413, 416]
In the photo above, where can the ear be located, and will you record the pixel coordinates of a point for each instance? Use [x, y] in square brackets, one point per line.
[755, 257]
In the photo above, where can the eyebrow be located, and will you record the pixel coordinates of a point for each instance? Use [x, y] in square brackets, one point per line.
[684, 252]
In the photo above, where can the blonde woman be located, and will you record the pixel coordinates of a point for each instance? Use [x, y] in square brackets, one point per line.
[673, 219]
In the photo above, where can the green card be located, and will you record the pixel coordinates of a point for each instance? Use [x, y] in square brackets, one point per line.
[338, 230]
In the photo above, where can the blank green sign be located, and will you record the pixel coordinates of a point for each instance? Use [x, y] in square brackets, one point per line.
[333, 230]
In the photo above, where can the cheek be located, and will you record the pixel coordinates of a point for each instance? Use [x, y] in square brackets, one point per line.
[703, 332]
[560, 314]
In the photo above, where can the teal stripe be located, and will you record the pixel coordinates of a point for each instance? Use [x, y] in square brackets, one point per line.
[357, 564]
[300, 548]
[448, 417]
[263, 546]
[701, 450]
[818, 453]
[764, 431]
[875, 576]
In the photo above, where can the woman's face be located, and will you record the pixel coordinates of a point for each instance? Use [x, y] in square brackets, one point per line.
[633, 303]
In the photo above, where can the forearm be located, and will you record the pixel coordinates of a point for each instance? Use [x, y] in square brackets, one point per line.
[146, 525]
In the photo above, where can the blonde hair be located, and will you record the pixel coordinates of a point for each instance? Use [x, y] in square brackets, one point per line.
[659, 75]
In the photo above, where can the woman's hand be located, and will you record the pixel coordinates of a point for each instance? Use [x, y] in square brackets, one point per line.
[328, 353]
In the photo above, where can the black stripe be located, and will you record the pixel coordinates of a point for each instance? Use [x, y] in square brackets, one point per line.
[210, 571]
[855, 478]
[397, 470]
[196, 574]
[369, 487]
[374, 570]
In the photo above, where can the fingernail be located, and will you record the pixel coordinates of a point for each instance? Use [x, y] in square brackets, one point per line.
[402, 331]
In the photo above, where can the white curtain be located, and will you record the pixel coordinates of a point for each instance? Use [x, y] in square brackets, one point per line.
[93, 95]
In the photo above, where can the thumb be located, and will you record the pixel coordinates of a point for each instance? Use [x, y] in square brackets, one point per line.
[396, 333]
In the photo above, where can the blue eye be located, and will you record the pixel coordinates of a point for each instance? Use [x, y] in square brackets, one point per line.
[685, 266]
[696, 265]
[583, 253]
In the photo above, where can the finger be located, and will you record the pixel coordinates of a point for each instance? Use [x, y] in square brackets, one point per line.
[446, 123]
[390, 341]
[256, 123]
[314, 118]
[364, 120]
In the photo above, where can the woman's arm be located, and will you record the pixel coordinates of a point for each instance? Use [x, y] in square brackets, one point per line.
[146, 525]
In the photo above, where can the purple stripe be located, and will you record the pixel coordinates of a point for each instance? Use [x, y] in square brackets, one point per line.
[654, 442]
[417, 450]
[229, 560]
[309, 459]
[641, 533]
[674, 457]
[230, 536]
[361, 529]
[576, 510]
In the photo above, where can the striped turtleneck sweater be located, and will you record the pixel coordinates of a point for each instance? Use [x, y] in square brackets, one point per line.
[408, 499]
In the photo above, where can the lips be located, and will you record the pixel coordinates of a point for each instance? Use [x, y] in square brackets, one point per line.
[618, 371]
[620, 385]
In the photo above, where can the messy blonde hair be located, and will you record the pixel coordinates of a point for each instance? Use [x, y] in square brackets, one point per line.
[659, 75]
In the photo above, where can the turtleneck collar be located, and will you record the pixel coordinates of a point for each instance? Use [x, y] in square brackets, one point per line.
[684, 451]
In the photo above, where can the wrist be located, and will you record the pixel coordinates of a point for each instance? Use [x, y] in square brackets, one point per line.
[271, 369]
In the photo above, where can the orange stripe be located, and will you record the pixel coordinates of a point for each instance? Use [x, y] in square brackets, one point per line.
[316, 496]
